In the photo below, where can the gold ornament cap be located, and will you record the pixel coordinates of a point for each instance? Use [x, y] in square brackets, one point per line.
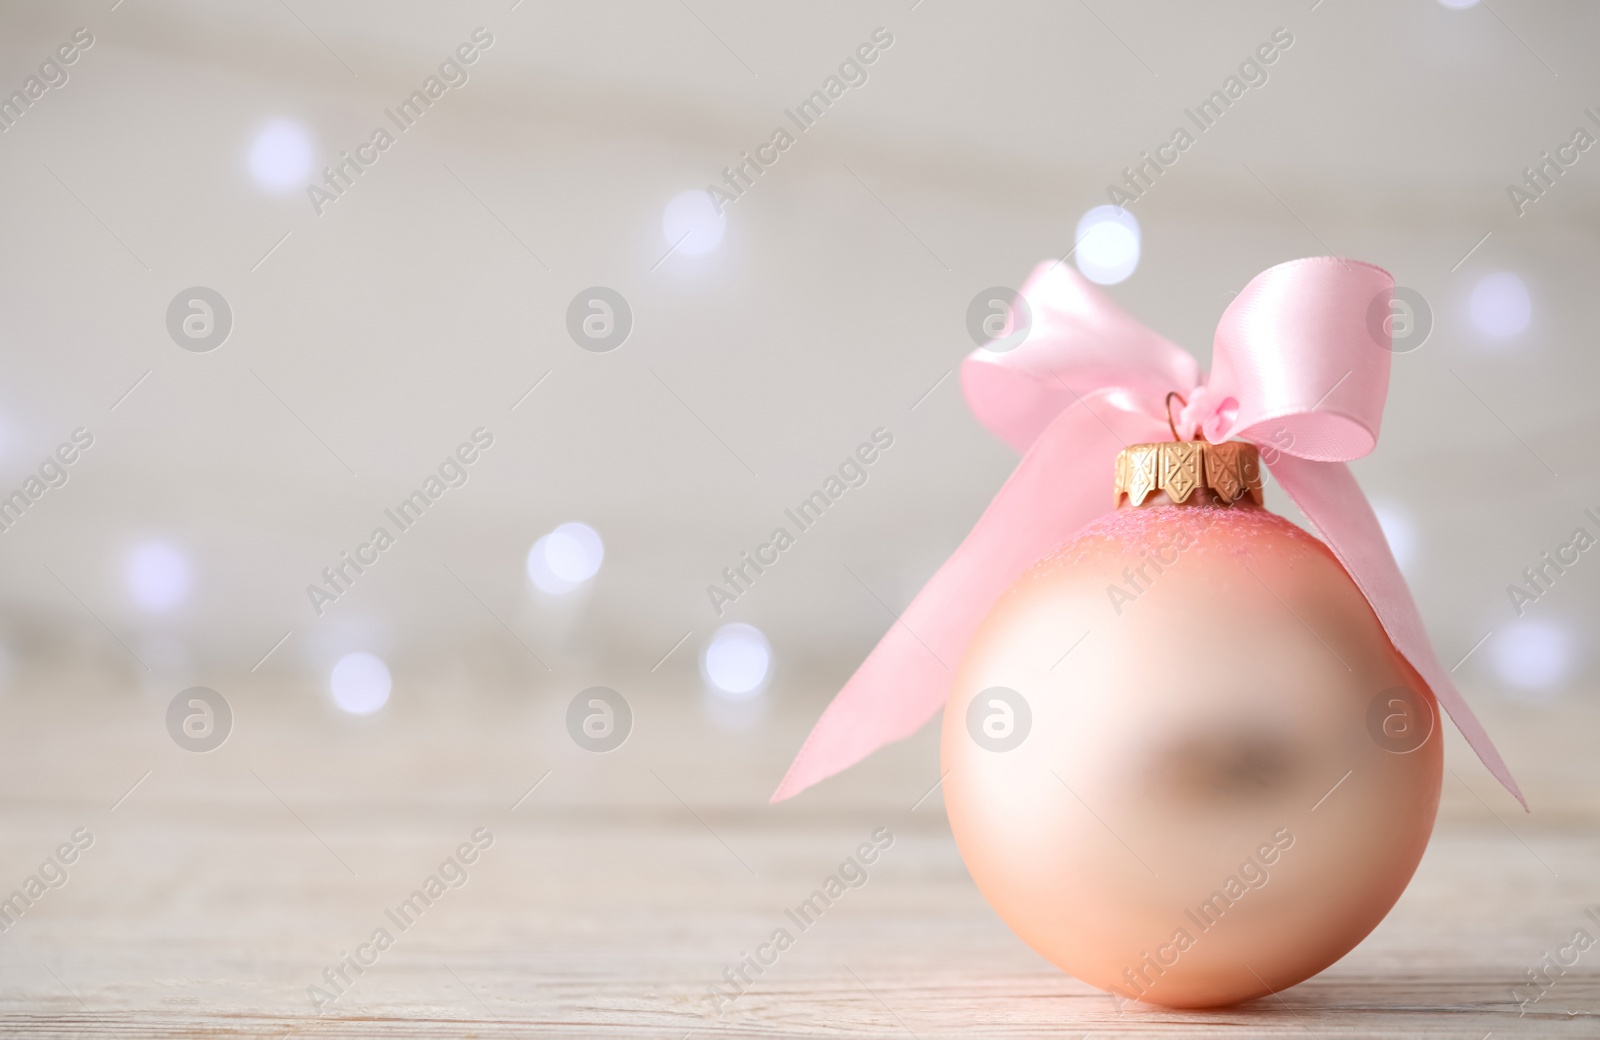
[1229, 470]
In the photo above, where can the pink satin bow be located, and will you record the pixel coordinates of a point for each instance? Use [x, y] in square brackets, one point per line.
[1298, 369]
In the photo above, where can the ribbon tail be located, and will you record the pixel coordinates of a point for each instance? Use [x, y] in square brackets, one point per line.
[1332, 500]
[1062, 483]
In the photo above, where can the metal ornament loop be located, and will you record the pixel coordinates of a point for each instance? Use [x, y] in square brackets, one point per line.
[1170, 424]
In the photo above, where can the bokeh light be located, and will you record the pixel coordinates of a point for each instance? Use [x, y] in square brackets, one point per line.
[693, 217]
[160, 575]
[565, 558]
[360, 683]
[1500, 306]
[737, 661]
[281, 156]
[1532, 656]
[1108, 245]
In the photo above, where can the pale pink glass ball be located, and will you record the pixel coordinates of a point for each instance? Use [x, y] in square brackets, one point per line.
[1226, 774]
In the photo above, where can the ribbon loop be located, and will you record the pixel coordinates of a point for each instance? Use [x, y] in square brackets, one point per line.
[1298, 368]
[1080, 342]
[1294, 352]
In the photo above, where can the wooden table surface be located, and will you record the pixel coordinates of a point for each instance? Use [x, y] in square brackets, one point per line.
[217, 892]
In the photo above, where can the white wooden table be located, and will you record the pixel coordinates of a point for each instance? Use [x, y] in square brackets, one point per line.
[217, 892]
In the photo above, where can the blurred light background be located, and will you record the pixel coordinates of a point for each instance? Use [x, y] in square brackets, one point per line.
[429, 300]
[223, 372]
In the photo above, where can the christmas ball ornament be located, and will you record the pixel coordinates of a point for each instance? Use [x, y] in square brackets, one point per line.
[1191, 752]
[1182, 759]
